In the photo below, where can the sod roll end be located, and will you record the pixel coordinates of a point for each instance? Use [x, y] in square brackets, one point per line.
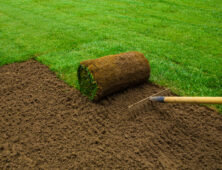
[106, 75]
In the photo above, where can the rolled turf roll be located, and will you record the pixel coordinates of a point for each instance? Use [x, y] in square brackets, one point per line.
[103, 76]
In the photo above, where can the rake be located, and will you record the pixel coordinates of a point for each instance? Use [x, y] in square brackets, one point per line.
[178, 99]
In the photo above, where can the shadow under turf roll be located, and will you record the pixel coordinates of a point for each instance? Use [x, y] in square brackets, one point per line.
[103, 76]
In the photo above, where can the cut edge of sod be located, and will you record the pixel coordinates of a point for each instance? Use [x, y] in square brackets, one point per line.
[87, 84]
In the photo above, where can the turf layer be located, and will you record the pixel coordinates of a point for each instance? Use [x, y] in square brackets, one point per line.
[87, 84]
[181, 39]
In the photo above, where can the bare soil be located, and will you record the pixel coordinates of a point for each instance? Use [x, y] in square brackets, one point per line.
[45, 124]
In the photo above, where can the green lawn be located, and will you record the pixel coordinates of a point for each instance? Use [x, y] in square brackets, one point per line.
[182, 39]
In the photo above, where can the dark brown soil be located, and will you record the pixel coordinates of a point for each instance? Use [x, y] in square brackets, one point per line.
[46, 124]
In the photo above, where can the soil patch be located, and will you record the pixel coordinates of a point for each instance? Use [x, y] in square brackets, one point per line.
[46, 124]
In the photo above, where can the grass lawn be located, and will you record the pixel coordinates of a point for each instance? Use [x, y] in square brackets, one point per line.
[182, 39]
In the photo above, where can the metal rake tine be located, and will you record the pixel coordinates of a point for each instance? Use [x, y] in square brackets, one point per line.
[132, 105]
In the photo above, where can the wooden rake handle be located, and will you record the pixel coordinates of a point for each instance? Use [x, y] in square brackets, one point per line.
[201, 100]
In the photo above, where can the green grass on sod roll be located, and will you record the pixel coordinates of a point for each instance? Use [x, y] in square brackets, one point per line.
[87, 84]
[181, 38]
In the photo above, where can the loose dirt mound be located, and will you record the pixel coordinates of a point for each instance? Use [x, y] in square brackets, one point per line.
[44, 123]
